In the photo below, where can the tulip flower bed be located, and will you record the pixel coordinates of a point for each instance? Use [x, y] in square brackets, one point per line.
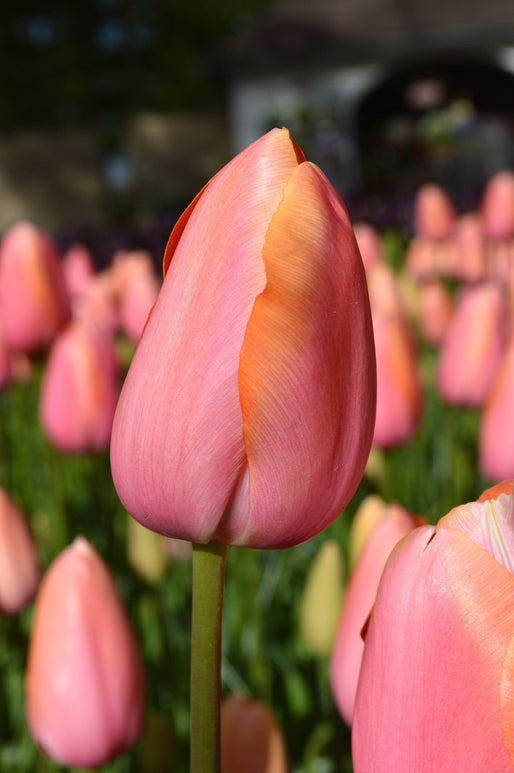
[431, 453]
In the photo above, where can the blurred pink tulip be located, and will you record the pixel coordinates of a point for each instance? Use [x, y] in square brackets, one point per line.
[471, 262]
[434, 213]
[80, 389]
[33, 296]
[98, 305]
[472, 347]
[370, 246]
[385, 294]
[399, 388]
[435, 688]
[19, 562]
[496, 446]
[256, 364]
[78, 268]
[435, 311]
[498, 206]
[251, 740]
[426, 258]
[85, 683]
[137, 288]
[358, 601]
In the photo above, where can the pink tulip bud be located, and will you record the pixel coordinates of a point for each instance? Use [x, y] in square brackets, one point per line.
[435, 687]
[98, 305]
[78, 268]
[19, 563]
[434, 213]
[79, 390]
[137, 288]
[85, 684]
[472, 347]
[435, 311]
[470, 241]
[251, 740]
[247, 413]
[496, 447]
[358, 602]
[369, 243]
[33, 296]
[399, 389]
[498, 206]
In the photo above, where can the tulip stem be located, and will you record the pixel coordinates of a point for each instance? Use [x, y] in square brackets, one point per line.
[208, 580]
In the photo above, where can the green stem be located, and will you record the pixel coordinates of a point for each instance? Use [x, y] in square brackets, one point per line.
[208, 579]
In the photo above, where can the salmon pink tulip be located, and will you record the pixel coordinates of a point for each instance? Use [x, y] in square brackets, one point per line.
[472, 347]
[434, 213]
[496, 447]
[370, 246]
[78, 268]
[358, 601]
[435, 688]
[19, 562]
[137, 287]
[435, 310]
[498, 206]
[33, 296]
[251, 740]
[247, 412]
[85, 683]
[79, 389]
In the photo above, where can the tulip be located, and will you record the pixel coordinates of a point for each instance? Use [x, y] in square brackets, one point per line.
[98, 305]
[497, 206]
[78, 269]
[33, 296]
[435, 688]
[470, 242]
[399, 389]
[358, 601]
[370, 246]
[251, 740]
[368, 515]
[79, 390]
[434, 213]
[85, 684]
[435, 311]
[137, 288]
[247, 412]
[321, 599]
[19, 563]
[472, 347]
[496, 448]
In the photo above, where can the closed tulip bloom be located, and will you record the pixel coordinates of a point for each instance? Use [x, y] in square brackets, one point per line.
[496, 447]
[321, 599]
[498, 206]
[247, 412]
[434, 213]
[399, 388]
[435, 311]
[435, 689]
[470, 241]
[137, 287]
[33, 295]
[368, 515]
[19, 563]
[78, 268]
[370, 246]
[472, 347]
[79, 390]
[358, 602]
[251, 740]
[85, 683]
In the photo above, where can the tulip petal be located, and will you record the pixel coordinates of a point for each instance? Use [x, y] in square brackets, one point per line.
[429, 699]
[489, 524]
[507, 700]
[307, 421]
[178, 427]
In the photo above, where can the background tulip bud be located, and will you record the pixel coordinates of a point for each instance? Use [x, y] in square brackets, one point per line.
[80, 389]
[321, 599]
[247, 412]
[251, 740]
[435, 688]
[19, 563]
[358, 601]
[85, 684]
[33, 295]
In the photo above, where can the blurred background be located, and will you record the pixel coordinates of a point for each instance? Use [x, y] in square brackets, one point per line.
[115, 114]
